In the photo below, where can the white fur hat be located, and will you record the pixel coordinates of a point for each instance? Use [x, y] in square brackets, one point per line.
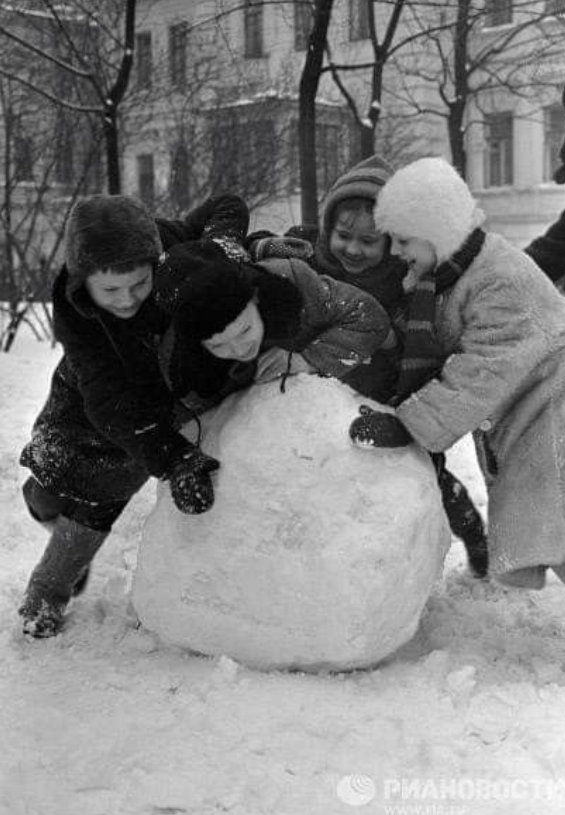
[429, 200]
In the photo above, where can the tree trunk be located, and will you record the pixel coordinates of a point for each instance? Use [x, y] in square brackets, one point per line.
[112, 153]
[309, 82]
[461, 88]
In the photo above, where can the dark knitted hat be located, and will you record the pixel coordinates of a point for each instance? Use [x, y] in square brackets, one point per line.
[106, 232]
[202, 288]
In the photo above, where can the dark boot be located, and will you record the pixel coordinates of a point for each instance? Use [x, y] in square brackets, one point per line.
[54, 580]
[465, 521]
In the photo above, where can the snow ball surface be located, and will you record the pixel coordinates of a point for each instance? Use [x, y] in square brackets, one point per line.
[316, 554]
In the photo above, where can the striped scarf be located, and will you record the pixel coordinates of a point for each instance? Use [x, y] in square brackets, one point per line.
[423, 357]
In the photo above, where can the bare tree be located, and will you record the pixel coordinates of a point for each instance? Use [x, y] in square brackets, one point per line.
[48, 156]
[383, 50]
[98, 40]
[464, 59]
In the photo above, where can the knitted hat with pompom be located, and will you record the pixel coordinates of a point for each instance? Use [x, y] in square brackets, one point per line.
[429, 200]
[364, 180]
[106, 232]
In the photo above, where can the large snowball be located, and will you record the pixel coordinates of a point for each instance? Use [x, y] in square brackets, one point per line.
[315, 554]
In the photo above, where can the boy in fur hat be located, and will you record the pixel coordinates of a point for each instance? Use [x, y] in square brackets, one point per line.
[351, 250]
[484, 353]
[235, 324]
[109, 421]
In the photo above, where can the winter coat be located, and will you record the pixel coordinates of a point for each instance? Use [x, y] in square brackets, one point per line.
[339, 327]
[502, 327]
[376, 378]
[548, 250]
[109, 420]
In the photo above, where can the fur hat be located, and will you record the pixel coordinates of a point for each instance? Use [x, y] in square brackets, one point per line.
[205, 291]
[201, 287]
[105, 232]
[364, 180]
[429, 200]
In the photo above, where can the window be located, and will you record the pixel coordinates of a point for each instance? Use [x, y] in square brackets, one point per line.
[23, 159]
[144, 59]
[302, 24]
[498, 12]
[554, 131]
[64, 152]
[244, 155]
[499, 152]
[180, 177]
[177, 55]
[327, 155]
[146, 179]
[253, 25]
[555, 6]
[359, 19]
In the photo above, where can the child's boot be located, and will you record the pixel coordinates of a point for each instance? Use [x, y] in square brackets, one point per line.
[465, 522]
[63, 567]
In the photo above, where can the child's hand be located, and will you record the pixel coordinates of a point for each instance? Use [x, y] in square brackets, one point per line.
[277, 362]
[191, 485]
[377, 429]
[282, 247]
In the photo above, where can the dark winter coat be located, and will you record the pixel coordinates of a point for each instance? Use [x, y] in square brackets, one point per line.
[109, 420]
[377, 377]
[548, 250]
[338, 327]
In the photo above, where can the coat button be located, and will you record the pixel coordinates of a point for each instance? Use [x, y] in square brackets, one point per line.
[485, 426]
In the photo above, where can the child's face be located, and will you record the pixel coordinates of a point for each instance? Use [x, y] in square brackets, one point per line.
[241, 339]
[417, 253]
[122, 294]
[355, 242]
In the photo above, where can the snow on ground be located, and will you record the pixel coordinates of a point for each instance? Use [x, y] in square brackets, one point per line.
[468, 718]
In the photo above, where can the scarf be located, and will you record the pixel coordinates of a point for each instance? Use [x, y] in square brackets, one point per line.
[423, 357]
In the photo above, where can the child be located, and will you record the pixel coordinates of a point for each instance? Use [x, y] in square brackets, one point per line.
[109, 421]
[235, 324]
[350, 249]
[484, 353]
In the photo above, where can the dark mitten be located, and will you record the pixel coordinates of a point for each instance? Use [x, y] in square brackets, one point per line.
[191, 485]
[377, 429]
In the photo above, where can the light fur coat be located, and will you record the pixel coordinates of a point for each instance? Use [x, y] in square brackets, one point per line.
[503, 323]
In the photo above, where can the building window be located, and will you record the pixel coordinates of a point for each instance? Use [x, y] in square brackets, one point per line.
[553, 130]
[23, 159]
[144, 62]
[498, 12]
[244, 155]
[253, 25]
[64, 153]
[327, 155]
[555, 6]
[177, 55]
[302, 24]
[359, 19]
[499, 152]
[180, 177]
[146, 179]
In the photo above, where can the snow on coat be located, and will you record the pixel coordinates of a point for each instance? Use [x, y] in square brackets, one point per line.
[503, 323]
[110, 420]
[340, 326]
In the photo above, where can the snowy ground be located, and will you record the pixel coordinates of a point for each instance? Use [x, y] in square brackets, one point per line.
[467, 719]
